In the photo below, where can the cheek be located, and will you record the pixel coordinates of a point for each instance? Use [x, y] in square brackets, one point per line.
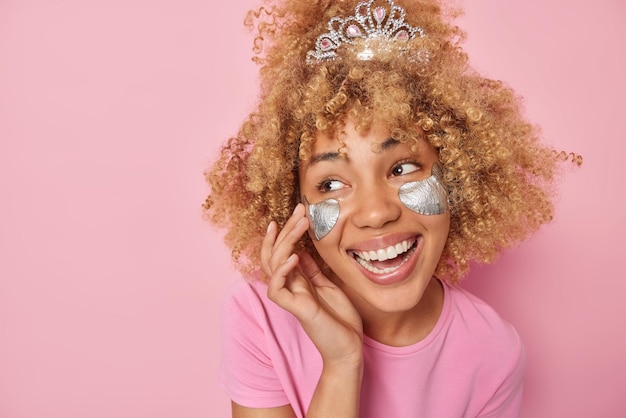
[439, 228]
[436, 229]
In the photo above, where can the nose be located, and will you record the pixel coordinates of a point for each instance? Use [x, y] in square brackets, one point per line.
[376, 208]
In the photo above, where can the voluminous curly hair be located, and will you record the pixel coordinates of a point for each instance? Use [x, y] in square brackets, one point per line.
[499, 176]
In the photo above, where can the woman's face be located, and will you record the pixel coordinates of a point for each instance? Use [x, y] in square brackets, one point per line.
[383, 253]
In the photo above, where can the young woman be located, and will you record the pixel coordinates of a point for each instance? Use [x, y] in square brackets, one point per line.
[376, 166]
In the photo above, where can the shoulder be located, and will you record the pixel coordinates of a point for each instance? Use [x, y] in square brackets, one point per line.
[483, 336]
[491, 348]
[250, 318]
[260, 347]
[244, 295]
[246, 305]
[244, 289]
[479, 318]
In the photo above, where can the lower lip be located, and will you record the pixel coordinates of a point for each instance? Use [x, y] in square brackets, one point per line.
[396, 276]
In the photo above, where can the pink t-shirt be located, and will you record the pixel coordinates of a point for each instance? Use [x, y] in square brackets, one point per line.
[470, 365]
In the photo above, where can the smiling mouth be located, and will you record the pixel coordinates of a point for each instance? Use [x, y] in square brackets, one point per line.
[386, 260]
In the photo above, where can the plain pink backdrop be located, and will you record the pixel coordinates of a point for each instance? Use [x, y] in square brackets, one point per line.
[110, 281]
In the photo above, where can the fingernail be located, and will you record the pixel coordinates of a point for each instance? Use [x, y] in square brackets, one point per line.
[269, 226]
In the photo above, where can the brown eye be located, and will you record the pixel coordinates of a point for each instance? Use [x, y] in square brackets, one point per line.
[330, 186]
[404, 168]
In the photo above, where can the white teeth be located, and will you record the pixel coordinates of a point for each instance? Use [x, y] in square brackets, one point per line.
[388, 253]
[381, 255]
[370, 267]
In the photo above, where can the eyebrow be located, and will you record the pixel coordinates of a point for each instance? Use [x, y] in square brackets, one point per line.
[324, 156]
[334, 155]
[388, 143]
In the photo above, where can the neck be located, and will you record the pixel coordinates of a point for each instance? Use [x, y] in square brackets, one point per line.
[409, 327]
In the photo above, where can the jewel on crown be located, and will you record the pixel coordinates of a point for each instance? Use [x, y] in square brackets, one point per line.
[372, 25]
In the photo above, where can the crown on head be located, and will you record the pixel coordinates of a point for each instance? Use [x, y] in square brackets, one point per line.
[377, 28]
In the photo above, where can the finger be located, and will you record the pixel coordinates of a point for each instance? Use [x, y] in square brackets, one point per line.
[293, 229]
[277, 289]
[292, 291]
[277, 245]
[311, 270]
[283, 248]
[267, 245]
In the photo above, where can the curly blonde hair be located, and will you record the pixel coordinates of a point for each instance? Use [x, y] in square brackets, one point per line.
[499, 176]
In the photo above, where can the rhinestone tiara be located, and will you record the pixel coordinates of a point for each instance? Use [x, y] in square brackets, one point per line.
[380, 25]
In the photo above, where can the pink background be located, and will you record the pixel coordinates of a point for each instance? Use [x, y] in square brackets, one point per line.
[110, 281]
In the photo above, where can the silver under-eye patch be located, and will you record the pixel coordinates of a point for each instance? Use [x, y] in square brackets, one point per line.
[428, 196]
[323, 216]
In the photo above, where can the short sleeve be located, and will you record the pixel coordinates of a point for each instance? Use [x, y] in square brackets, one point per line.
[246, 372]
[507, 400]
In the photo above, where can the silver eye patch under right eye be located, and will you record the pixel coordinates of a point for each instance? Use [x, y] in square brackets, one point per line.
[323, 216]
[428, 196]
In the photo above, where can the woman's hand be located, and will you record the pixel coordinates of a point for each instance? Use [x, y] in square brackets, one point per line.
[298, 286]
